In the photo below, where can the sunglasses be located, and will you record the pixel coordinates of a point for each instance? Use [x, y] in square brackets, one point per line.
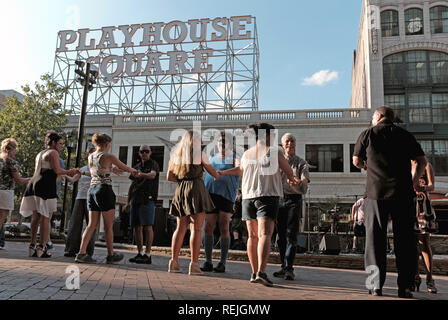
[145, 151]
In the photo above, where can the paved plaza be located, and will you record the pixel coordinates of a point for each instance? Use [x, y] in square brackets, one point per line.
[24, 278]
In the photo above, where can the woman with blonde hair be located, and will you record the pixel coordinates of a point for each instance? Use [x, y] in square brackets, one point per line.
[40, 200]
[191, 199]
[9, 175]
[101, 197]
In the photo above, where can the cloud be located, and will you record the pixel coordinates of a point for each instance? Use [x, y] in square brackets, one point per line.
[321, 78]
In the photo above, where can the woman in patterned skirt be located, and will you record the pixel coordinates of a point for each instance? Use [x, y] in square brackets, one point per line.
[9, 175]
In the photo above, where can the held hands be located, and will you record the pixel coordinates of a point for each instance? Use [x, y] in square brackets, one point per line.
[218, 175]
[74, 171]
[294, 182]
[117, 171]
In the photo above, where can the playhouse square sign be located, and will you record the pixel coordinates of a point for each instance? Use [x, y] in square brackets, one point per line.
[153, 62]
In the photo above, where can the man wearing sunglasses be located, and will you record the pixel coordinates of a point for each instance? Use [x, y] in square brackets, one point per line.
[142, 196]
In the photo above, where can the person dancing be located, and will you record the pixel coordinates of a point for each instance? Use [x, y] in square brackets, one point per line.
[261, 190]
[9, 175]
[425, 226]
[101, 197]
[40, 199]
[191, 199]
[223, 192]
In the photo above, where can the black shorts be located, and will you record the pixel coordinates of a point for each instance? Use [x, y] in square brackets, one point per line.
[221, 204]
[100, 197]
[262, 207]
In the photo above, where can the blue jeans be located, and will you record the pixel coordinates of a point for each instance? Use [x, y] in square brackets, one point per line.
[288, 222]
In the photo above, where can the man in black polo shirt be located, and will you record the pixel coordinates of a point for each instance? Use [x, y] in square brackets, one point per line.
[142, 196]
[385, 151]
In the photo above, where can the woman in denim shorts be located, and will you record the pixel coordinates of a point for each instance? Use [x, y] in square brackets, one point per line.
[101, 197]
[261, 190]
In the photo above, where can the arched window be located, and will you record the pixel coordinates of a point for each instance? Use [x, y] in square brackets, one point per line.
[413, 19]
[439, 19]
[416, 85]
[389, 23]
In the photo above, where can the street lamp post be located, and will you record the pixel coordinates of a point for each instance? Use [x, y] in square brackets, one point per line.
[69, 154]
[87, 79]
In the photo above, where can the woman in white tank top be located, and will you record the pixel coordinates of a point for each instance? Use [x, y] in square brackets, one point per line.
[261, 190]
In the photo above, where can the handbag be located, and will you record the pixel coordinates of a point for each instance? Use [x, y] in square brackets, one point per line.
[426, 216]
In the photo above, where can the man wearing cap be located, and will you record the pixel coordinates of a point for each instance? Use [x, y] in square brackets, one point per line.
[142, 196]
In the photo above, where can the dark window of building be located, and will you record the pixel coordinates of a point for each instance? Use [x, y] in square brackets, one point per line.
[438, 64]
[325, 157]
[416, 67]
[157, 155]
[135, 155]
[123, 154]
[416, 85]
[436, 152]
[393, 70]
[439, 19]
[389, 23]
[352, 167]
[413, 21]
[397, 103]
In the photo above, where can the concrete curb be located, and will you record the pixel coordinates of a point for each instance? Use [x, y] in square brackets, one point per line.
[354, 262]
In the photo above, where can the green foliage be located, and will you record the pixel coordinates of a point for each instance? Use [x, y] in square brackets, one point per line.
[29, 121]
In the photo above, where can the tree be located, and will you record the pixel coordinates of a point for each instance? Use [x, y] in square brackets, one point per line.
[29, 121]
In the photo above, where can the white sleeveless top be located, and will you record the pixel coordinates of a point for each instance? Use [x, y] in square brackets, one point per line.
[261, 177]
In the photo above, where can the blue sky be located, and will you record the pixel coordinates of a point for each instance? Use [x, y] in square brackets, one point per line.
[298, 39]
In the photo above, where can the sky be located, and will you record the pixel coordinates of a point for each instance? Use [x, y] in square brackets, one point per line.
[306, 47]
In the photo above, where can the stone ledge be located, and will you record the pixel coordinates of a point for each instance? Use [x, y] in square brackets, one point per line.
[356, 262]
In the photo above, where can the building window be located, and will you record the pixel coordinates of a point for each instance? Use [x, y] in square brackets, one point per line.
[416, 85]
[325, 157]
[416, 71]
[123, 154]
[440, 108]
[419, 107]
[135, 155]
[438, 63]
[397, 103]
[436, 152]
[389, 23]
[158, 155]
[352, 167]
[393, 70]
[413, 21]
[439, 19]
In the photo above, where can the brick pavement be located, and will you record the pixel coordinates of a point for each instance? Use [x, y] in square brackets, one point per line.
[24, 278]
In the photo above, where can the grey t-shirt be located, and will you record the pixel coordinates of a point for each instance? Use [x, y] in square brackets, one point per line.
[300, 169]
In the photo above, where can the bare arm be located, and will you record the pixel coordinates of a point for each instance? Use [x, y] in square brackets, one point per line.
[170, 176]
[431, 180]
[54, 162]
[151, 175]
[72, 179]
[359, 163]
[120, 164]
[237, 171]
[17, 178]
[209, 167]
[421, 165]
